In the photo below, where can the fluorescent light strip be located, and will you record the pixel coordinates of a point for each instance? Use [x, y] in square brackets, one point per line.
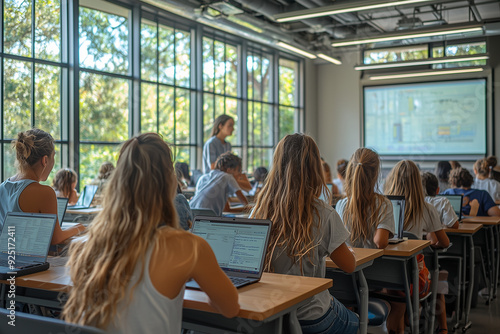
[400, 37]
[329, 10]
[330, 59]
[417, 63]
[296, 50]
[424, 74]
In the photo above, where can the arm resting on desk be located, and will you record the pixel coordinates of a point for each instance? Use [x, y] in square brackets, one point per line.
[344, 258]
[438, 239]
[381, 238]
[494, 211]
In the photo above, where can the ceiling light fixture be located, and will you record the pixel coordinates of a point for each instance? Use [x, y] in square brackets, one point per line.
[297, 50]
[330, 59]
[414, 34]
[424, 74]
[430, 61]
[339, 9]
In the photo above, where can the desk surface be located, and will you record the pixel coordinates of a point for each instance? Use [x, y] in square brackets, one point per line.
[464, 228]
[406, 248]
[89, 211]
[482, 220]
[273, 294]
[362, 255]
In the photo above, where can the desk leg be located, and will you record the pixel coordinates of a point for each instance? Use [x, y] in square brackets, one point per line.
[468, 324]
[497, 239]
[434, 282]
[493, 264]
[363, 309]
[416, 301]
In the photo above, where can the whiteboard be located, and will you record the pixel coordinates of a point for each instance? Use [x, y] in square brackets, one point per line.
[432, 118]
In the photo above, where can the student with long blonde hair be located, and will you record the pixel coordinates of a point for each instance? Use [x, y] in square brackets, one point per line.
[483, 168]
[404, 180]
[368, 215]
[120, 281]
[23, 192]
[304, 231]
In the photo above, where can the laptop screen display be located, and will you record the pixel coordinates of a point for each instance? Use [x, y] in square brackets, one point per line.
[87, 195]
[398, 208]
[456, 203]
[237, 247]
[61, 208]
[32, 233]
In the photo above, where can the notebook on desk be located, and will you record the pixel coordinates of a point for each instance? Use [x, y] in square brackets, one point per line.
[239, 245]
[86, 198]
[24, 243]
[456, 202]
[398, 208]
[62, 204]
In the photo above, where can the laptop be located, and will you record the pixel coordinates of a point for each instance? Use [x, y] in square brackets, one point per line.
[86, 198]
[25, 242]
[239, 244]
[398, 208]
[456, 202]
[62, 203]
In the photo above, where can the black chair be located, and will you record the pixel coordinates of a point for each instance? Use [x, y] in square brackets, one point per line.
[30, 323]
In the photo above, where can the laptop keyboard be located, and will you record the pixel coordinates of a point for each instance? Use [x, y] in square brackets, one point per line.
[239, 280]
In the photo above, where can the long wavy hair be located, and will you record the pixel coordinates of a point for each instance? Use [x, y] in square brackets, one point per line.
[64, 180]
[289, 197]
[136, 202]
[404, 180]
[363, 205]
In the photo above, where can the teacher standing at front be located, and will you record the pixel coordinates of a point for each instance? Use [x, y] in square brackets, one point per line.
[217, 144]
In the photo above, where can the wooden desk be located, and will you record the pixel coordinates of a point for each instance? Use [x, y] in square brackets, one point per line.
[463, 247]
[343, 283]
[264, 305]
[89, 211]
[482, 220]
[396, 269]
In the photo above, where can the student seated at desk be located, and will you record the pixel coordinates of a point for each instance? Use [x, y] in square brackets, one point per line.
[483, 168]
[443, 206]
[120, 281]
[367, 215]
[214, 188]
[304, 231]
[64, 184]
[404, 180]
[23, 191]
[461, 181]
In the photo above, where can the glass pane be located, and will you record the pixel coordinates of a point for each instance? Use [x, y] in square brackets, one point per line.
[91, 158]
[466, 49]
[103, 41]
[181, 153]
[17, 26]
[17, 97]
[232, 110]
[167, 113]
[220, 106]
[414, 52]
[251, 64]
[287, 120]
[259, 157]
[231, 70]
[254, 124]
[149, 46]
[9, 161]
[182, 100]
[57, 165]
[266, 79]
[48, 99]
[438, 52]
[208, 115]
[182, 58]
[149, 117]
[208, 65]
[103, 108]
[220, 68]
[48, 29]
[166, 52]
[288, 72]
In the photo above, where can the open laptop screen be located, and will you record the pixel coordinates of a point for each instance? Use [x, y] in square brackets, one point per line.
[238, 247]
[62, 203]
[456, 203]
[87, 196]
[32, 232]
[398, 208]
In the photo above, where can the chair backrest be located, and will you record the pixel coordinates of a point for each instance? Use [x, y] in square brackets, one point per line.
[30, 323]
[203, 212]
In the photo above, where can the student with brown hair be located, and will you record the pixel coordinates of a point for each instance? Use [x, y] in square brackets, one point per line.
[367, 215]
[341, 171]
[23, 192]
[305, 230]
[130, 270]
[443, 206]
[64, 184]
[483, 168]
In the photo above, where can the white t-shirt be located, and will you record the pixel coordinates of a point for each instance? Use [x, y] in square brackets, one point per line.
[340, 185]
[330, 234]
[490, 185]
[385, 218]
[444, 208]
[429, 222]
[212, 191]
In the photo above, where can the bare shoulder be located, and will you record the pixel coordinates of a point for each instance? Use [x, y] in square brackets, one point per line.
[178, 237]
[38, 198]
[41, 189]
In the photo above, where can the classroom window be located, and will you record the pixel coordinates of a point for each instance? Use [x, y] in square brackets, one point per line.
[413, 52]
[288, 96]
[462, 49]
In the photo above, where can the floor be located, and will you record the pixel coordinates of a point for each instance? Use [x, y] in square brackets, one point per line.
[485, 319]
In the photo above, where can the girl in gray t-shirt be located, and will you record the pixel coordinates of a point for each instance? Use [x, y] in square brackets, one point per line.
[305, 230]
[366, 214]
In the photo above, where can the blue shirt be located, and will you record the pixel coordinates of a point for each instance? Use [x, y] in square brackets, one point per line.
[482, 196]
[212, 149]
[183, 211]
[9, 196]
